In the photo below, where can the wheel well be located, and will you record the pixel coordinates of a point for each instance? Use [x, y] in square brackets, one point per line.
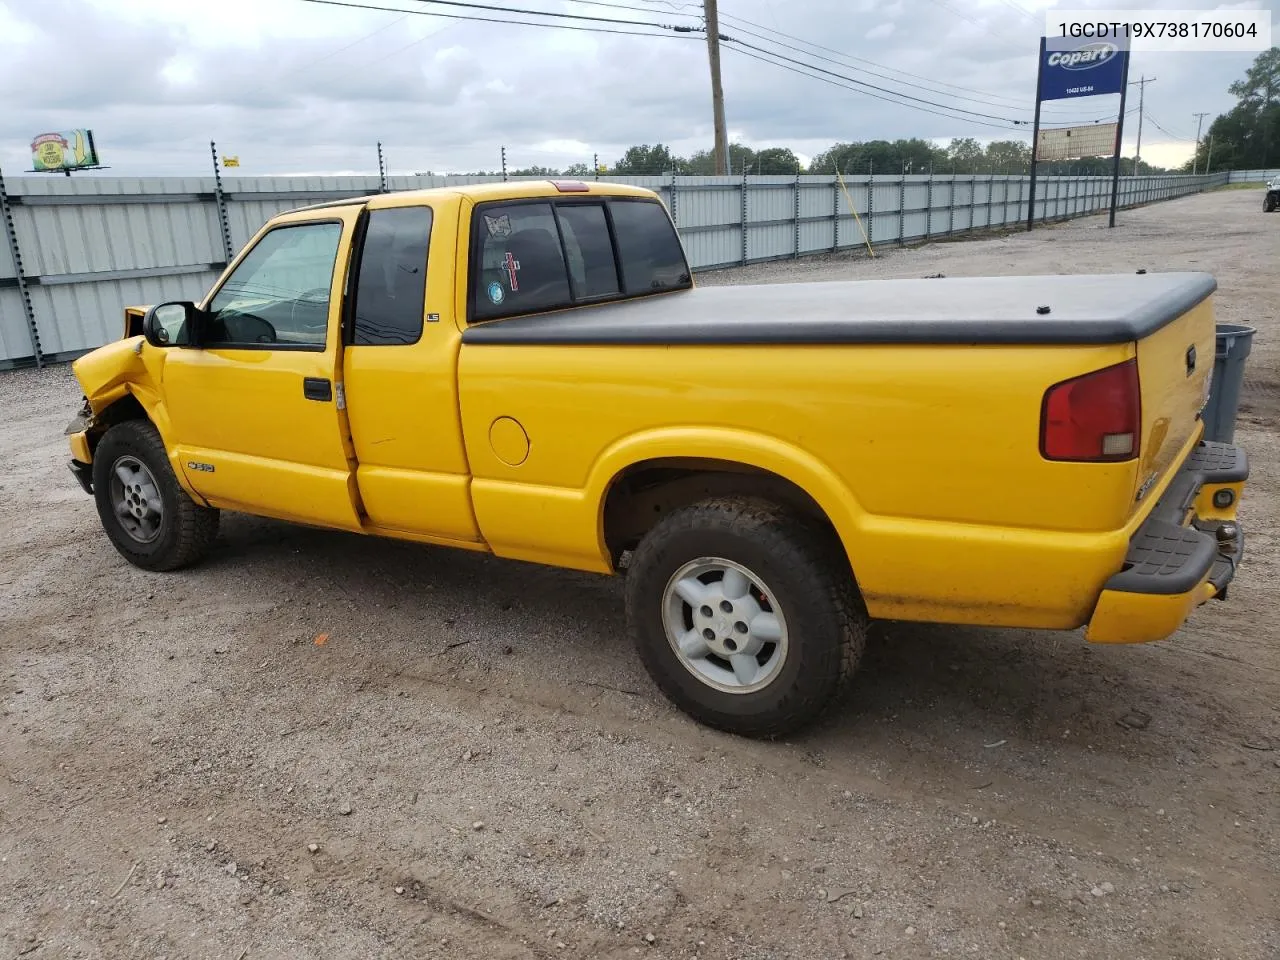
[126, 408]
[646, 492]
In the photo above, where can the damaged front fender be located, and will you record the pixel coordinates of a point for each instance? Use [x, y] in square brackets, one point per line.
[106, 374]
[121, 380]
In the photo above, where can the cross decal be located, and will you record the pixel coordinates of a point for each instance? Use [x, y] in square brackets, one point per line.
[512, 266]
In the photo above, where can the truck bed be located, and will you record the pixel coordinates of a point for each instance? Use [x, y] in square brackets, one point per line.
[1088, 309]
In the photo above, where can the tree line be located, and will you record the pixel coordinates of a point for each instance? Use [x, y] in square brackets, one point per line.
[856, 159]
[1246, 137]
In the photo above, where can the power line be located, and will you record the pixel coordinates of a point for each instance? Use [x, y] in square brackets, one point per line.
[674, 32]
[1020, 9]
[870, 86]
[542, 13]
[617, 6]
[736, 47]
[1161, 128]
[847, 66]
[844, 59]
[964, 16]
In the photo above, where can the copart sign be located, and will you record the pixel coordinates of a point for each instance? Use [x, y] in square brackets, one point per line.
[1091, 69]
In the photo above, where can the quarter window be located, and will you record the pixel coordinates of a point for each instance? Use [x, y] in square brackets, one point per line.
[391, 289]
[278, 295]
[652, 259]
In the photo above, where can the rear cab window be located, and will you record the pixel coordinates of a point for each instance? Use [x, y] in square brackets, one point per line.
[534, 255]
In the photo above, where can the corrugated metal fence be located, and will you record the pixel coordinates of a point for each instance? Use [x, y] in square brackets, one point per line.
[79, 250]
[1252, 176]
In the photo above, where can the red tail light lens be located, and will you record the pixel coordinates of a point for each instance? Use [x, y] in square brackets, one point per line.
[1096, 417]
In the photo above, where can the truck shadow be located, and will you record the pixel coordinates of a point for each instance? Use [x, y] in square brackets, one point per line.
[933, 687]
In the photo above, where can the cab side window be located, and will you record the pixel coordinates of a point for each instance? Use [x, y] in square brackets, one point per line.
[391, 287]
[521, 266]
[278, 295]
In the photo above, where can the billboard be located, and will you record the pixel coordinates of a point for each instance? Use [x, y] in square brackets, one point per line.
[1090, 70]
[1072, 143]
[66, 150]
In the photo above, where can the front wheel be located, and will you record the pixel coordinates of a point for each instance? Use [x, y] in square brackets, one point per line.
[1269, 204]
[147, 515]
[745, 615]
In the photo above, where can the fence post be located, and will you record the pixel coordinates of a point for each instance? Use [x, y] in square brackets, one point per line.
[796, 206]
[221, 201]
[835, 213]
[675, 215]
[744, 213]
[928, 206]
[28, 310]
[871, 203]
[902, 209]
[991, 195]
[951, 204]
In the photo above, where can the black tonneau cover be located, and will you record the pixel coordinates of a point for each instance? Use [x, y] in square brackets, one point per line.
[1083, 309]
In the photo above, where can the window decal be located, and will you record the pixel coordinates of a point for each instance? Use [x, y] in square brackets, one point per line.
[513, 267]
[498, 226]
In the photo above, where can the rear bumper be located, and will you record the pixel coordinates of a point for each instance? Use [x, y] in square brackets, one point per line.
[1185, 552]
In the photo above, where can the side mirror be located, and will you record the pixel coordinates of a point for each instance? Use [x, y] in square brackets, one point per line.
[171, 324]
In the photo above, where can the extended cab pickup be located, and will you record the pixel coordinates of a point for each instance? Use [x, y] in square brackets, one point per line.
[527, 369]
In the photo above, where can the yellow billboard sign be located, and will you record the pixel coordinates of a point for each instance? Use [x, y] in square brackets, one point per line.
[65, 150]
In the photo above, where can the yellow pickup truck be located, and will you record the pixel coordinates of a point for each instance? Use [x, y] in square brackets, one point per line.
[528, 369]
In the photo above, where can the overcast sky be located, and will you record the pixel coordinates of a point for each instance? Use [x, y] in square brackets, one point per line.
[296, 87]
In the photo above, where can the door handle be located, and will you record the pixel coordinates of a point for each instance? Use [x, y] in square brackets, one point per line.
[317, 388]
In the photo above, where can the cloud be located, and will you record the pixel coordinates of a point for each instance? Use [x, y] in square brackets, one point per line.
[295, 86]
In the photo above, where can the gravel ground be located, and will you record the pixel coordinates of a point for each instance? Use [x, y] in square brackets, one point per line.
[321, 746]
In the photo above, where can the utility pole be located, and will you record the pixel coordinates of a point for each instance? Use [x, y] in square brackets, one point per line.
[717, 90]
[1195, 158]
[1142, 89]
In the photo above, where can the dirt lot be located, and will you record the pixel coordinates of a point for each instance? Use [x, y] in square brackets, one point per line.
[485, 771]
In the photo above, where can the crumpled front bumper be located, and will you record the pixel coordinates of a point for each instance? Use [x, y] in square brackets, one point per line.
[1185, 552]
[77, 434]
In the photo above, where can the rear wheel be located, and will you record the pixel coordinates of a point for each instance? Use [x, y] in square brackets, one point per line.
[1270, 203]
[146, 514]
[745, 615]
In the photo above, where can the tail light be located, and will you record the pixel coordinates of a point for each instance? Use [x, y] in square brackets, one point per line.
[1094, 418]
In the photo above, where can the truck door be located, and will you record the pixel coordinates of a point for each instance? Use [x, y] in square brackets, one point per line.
[401, 372]
[256, 409]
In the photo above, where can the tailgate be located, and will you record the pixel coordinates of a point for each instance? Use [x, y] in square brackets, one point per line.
[1175, 367]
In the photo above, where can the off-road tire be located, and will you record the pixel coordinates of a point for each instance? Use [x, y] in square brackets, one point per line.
[186, 528]
[809, 577]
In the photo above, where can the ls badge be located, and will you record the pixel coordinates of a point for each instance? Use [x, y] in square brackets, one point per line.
[200, 467]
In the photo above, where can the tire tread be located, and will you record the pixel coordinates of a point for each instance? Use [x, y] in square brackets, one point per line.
[796, 542]
[195, 527]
